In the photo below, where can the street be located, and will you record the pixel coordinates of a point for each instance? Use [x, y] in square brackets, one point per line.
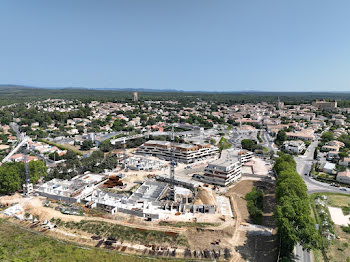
[302, 255]
[268, 140]
[304, 165]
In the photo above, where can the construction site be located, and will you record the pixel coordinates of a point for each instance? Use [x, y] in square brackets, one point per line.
[150, 206]
[215, 235]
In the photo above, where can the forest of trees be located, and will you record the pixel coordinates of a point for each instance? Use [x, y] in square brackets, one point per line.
[18, 94]
[12, 175]
[97, 162]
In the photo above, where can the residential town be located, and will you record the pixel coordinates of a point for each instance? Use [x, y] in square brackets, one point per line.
[156, 164]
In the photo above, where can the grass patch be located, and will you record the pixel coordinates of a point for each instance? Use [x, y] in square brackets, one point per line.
[346, 229]
[338, 249]
[18, 244]
[224, 144]
[337, 199]
[123, 233]
[317, 255]
[62, 147]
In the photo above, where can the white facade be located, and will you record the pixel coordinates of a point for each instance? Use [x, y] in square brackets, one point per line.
[222, 172]
[186, 153]
[344, 177]
[294, 146]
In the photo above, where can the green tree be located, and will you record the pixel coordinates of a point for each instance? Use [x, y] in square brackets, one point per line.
[281, 137]
[70, 155]
[293, 213]
[249, 144]
[37, 169]
[224, 144]
[327, 136]
[11, 177]
[106, 146]
[86, 145]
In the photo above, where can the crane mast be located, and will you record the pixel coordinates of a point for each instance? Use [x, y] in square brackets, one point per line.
[27, 187]
[172, 167]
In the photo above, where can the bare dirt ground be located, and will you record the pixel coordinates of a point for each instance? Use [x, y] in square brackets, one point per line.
[250, 245]
[260, 167]
[34, 206]
[245, 243]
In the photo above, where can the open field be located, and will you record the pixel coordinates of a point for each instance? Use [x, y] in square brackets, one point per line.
[337, 200]
[339, 248]
[63, 147]
[17, 244]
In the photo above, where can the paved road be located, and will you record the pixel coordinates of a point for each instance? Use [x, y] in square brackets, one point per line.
[304, 164]
[268, 141]
[302, 255]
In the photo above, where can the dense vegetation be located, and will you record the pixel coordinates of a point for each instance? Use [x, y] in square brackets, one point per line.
[12, 175]
[97, 162]
[255, 205]
[293, 213]
[17, 94]
[250, 145]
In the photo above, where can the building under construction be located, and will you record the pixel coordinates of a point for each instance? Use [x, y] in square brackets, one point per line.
[185, 153]
[150, 201]
[144, 164]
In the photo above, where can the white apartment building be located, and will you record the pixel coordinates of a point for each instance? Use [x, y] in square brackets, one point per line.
[223, 171]
[186, 153]
[245, 156]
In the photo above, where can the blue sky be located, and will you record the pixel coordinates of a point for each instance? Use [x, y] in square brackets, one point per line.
[203, 45]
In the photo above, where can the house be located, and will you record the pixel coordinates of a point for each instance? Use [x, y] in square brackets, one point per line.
[332, 154]
[328, 168]
[345, 161]
[4, 147]
[333, 145]
[296, 147]
[344, 177]
[21, 158]
[305, 134]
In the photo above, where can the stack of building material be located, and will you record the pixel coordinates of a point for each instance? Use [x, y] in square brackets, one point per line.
[113, 181]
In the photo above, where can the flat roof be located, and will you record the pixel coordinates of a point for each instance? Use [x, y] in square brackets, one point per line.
[224, 162]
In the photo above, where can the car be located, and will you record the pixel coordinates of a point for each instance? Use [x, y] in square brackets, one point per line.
[343, 189]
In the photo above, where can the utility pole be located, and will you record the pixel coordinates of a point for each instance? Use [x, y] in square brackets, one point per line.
[172, 167]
